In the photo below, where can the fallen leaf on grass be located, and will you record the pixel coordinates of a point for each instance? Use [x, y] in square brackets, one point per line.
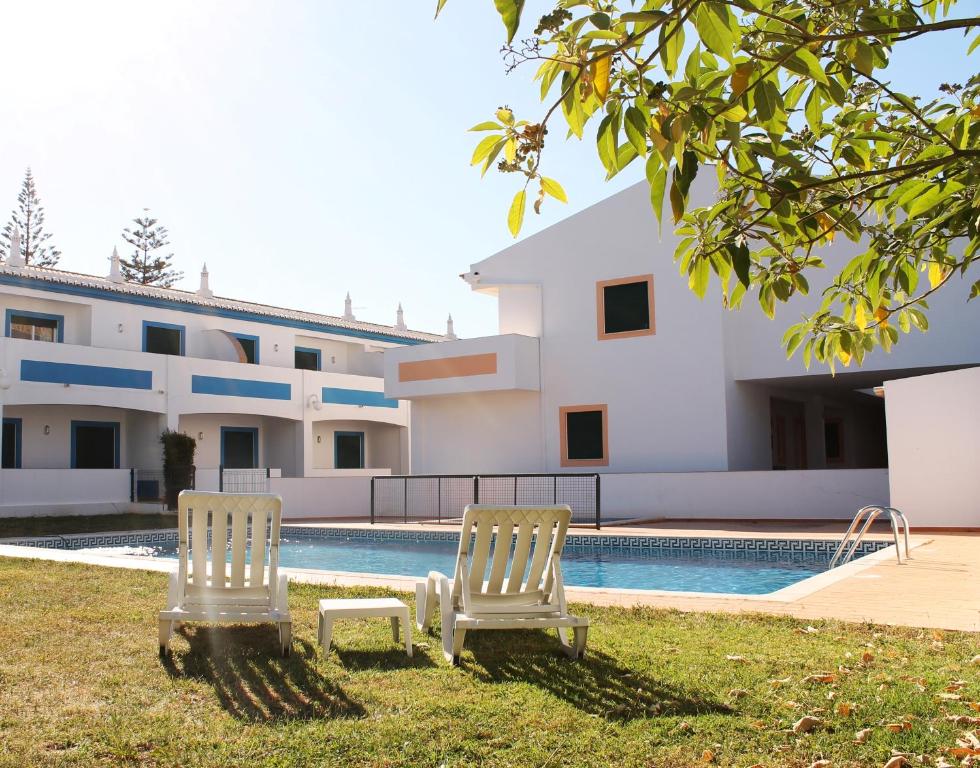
[897, 727]
[897, 761]
[780, 683]
[820, 764]
[867, 657]
[758, 724]
[808, 630]
[955, 685]
[820, 677]
[790, 704]
[959, 752]
[806, 724]
[862, 736]
[737, 693]
[736, 658]
[845, 708]
[975, 661]
[974, 705]
[708, 756]
[963, 719]
[949, 696]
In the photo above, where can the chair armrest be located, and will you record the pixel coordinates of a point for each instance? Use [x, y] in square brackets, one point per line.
[282, 594]
[558, 586]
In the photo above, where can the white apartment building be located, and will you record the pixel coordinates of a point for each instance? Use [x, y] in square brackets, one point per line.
[605, 361]
[93, 369]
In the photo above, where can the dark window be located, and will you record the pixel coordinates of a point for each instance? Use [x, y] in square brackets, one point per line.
[308, 359]
[349, 450]
[238, 449]
[34, 328]
[626, 307]
[248, 348]
[584, 431]
[11, 444]
[95, 446]
[163, 341]
[833, 440]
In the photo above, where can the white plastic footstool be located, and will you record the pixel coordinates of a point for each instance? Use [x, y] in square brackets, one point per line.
[361, 608]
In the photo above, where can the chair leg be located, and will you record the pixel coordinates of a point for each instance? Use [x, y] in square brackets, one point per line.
[326, 630]
[394, 628]
[581, 637]
[408, 634]
[165, 631]
[573, 649]
[453, 645]
[425, 604]
[285, 637]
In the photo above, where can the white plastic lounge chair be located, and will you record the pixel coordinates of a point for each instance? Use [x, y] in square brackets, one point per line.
[528, 595]
[206, 587]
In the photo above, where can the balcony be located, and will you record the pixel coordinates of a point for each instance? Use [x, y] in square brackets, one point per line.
[488, 364]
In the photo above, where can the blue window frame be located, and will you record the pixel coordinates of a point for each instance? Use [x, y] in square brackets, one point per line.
[345, 450]
[156, 339]
[94, 456]
[249, 345]
[53, 325]
[12, 432]
[305, 357]
[253, 432]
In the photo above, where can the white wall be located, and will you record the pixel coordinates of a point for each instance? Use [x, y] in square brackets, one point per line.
[77, 314]
[306, 497]
[63, 491]
[833, 494]
[934, 447]
[382, 444]
[487, 432]
[53, 450]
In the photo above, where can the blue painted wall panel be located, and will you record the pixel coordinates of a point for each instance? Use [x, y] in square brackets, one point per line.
[339, 396]
[92, 375]
[217, 385]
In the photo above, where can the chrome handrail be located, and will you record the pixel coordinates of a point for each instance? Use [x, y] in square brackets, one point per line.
[845, 554]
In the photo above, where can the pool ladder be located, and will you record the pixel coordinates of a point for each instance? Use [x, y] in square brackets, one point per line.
[844, 554]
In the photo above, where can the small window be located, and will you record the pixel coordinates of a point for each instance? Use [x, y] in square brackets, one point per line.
[95, 445]
[625, 307]
[584, 436]
[348, 450]
[250, 348]
[307, 359]
[35, 326]
[833, 440]
[163, 338]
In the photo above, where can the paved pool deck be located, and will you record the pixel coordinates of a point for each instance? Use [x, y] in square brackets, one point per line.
[939, 587]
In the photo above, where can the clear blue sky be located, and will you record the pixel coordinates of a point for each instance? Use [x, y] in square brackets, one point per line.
[301, 150]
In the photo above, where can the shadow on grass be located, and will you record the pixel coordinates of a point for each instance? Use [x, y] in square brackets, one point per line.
[598, 684]
[387, 660]
[253, 681]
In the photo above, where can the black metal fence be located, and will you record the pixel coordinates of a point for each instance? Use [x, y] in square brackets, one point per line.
[243, 480]
[441, 498]
[150, 485]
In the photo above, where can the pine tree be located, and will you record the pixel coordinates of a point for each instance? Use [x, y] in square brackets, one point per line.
[145, 267]
[28, 217]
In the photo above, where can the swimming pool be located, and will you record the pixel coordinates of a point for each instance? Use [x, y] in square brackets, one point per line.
[746, 566]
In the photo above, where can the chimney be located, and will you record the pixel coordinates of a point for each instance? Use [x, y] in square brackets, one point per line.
[400, 319]
[204, 290]
[14, 257]
[115, 270]
[348, 308]
[450, 333]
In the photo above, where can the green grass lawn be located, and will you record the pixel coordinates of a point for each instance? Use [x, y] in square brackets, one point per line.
[68, 524]
[81, 684]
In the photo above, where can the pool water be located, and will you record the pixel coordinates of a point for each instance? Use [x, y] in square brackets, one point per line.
[716, 570]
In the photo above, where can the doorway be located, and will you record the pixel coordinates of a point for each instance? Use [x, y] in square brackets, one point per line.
[788, 434]
[95, 445]
[239, 447]
[348, 450]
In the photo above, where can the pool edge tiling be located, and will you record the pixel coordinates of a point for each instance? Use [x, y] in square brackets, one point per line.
[630, 563]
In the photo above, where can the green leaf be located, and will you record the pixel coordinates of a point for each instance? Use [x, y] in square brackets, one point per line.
[700, 276]
[716, 26]
[488, 125]
[658, 183]
[510, 14]
[439, 5]
[676, 201]
[741, 262]
[515, 217]
[606, 144]
[554, 189]
[484, 148]
[635, 123]
[672, 43]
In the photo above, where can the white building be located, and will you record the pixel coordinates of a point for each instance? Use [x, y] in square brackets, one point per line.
[605, 361]
[93, 369]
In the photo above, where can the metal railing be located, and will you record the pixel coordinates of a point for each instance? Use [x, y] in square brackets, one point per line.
[150, 485]
[243, 480]
[441, 498]
[845, 554]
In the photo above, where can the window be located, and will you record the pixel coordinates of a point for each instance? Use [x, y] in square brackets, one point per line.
[249, 346]
[624, 307]
[11, 444]
[307, 358]
[35, 326]
[95, 445]
[584, 436]
[239, 447]
[348, 450]
[833, 440]
[163, 338]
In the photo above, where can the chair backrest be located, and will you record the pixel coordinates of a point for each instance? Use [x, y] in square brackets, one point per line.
[247, 522]
[540, 538]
